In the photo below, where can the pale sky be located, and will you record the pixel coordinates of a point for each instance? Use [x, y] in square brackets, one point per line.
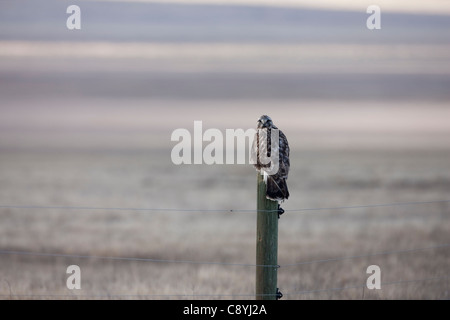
[403, 6]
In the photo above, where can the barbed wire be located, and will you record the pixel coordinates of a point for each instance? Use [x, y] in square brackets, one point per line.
[394, 204]
[194, 295]
[76, 256]
[405, 251]
[221, 210]
[186, 295]
[62, 255]
[439, 246]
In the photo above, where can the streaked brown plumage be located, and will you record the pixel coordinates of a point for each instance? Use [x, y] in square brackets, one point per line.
[265, 152]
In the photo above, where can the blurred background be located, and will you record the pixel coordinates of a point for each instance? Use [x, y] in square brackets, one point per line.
[86, 122]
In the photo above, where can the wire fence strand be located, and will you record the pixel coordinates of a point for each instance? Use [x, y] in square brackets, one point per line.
[76, 256]
[50, 207]
[134, 296]
[218, 295]
[439, 246]
[152, 260]
[79, 256]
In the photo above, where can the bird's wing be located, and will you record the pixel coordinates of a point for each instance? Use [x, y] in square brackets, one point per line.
[284, 151]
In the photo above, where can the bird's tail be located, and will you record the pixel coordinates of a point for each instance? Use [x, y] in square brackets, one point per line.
[277, 189]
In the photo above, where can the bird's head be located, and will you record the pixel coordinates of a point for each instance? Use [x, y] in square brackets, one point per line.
[265, 122]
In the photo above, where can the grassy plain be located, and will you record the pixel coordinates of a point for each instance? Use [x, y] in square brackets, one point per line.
[142, 177]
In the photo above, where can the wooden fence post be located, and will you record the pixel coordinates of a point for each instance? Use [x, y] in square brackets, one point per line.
[266, 244]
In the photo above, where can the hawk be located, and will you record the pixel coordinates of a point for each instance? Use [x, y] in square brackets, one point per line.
[271, 158]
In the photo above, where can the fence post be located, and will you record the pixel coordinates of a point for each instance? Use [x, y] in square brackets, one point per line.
[266, 244]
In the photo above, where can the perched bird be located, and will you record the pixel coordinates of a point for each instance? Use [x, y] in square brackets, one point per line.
[271, 158]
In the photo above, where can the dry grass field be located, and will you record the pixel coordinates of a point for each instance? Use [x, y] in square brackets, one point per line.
[346, 172]
[86, 119]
